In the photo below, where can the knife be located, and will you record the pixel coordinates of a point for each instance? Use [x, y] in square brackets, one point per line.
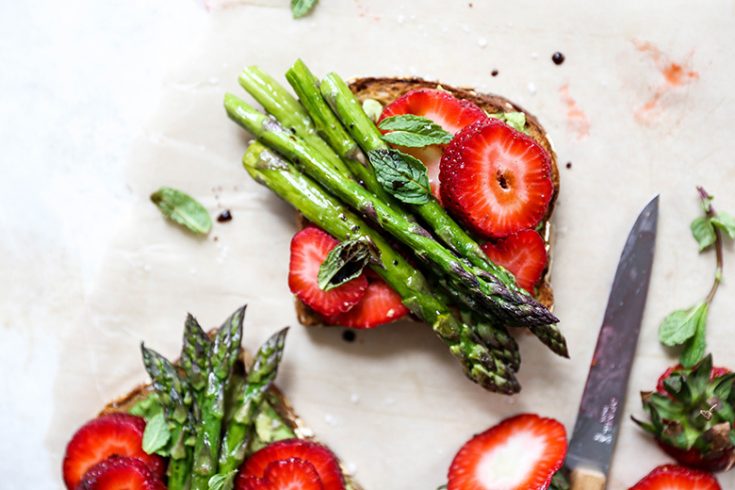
[603, 399]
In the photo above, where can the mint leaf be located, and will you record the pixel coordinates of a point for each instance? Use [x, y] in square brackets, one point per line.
[413, 131]
[703, 232]
[344, 263]
[516, 120]
[726, 223]
[403, 176]
[694, 350]
[182, 209]
[156, 434]
[681, 325]
[147, 408]
[300, 8]
[222, 482]
[373, 109]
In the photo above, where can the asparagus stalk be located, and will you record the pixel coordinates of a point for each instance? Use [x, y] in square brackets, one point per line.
[348, 109]
[493, 298]
[194, 355]
[224, 353]
[258, 381]
[282, 177]
[172, 392]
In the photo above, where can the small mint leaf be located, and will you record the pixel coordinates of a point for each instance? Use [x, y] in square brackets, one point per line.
[703, 232]
[222, 482]
[413, 131]
[300, 8]
[694, 350]
[726, 223]
[182, 209]
[680, 325]
[156, 434]
[345, 262]
[403, 176]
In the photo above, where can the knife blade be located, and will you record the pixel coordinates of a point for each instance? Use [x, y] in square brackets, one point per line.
[596, 429]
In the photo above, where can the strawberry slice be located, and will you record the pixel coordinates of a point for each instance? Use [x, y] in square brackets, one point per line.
[520, 453]
[117, 434]
[286, 474]
[673, 477]
[495, 179]
[120, 473]
[716, 373]
[380, 305]
[309, 248]
[443, 108]
[321, 458]
[523, 254]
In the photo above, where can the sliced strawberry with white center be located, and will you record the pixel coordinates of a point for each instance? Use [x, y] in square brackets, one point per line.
[117, 434]
[523, 254]
[380, 305]
[286, 474]
[309, 248]
[318, 456]
[120, 473]
[672, 477]
[520, 453]
[495, 179]
[443, 108]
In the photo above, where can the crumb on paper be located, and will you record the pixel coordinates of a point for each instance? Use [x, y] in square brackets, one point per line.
[577, 120]
[674, 75]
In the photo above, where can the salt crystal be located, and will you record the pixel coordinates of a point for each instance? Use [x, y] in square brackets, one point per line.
[354, 398]
[532, 88]
[351, 468]
[401, 19]
[330, 419]
[482, 42]
[534, 55]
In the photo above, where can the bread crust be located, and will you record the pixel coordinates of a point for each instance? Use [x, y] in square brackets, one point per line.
[387, 89]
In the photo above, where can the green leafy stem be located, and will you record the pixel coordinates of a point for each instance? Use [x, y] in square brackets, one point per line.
[687, 327]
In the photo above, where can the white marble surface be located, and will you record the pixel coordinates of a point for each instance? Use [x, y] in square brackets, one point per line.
[102, 103]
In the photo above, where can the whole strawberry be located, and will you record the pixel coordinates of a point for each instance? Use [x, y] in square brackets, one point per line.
[693, 419]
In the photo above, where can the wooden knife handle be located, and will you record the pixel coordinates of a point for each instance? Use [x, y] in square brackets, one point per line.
[584, 479]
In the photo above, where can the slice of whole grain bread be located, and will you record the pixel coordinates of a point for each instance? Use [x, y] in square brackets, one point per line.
[283, 408]
[387, 89]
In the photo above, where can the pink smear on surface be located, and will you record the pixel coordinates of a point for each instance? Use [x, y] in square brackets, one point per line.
[363, 11]
[674, 75]
[577, 120]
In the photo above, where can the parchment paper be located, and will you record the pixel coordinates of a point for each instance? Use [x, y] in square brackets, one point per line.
[394, 404]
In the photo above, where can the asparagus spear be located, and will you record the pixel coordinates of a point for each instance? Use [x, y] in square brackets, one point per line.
[488, 292]
[259, 379]
[172, 392]
[194, 355]
[348, 109]
[224, 353]
[282, 177]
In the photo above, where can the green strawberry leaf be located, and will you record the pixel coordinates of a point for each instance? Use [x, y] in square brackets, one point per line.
[680, 325]
[403, 176]
[413, 131]
[345, 262]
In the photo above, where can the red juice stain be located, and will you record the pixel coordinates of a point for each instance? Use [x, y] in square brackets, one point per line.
[577, 120]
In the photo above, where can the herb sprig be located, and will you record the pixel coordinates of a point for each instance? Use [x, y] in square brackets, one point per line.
[687, 327]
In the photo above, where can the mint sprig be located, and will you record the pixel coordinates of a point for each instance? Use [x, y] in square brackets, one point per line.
[687, 327]
[402, 175]
[413, 131]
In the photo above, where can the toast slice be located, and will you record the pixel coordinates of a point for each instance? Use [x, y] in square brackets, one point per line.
[387, 89]
[278, 400]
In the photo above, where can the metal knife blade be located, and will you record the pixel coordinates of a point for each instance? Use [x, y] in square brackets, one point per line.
[598, 419]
